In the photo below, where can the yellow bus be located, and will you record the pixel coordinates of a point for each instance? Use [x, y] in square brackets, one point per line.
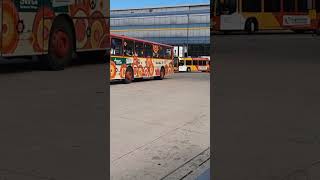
[194, 64]
[55, 30]
[133, 58]
[254, 15]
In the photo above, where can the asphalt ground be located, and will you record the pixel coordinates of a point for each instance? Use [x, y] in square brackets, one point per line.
[53, 123]
[265, 102]
[157, 126]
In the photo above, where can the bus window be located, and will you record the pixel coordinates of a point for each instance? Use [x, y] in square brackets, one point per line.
[272, 6]
[228, 7]
[168, 53]
[200, 63]
[148, 52]
[162, 52]
[251, 5]
[318, 5]
[288, 5]
[302, 6]
[139, 49]
[195, 62]
[188, 63]
[128, 46]
[156, 51]
[181, 63]
[116, 47]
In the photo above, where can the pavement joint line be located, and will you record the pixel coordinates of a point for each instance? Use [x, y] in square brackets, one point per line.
[202, 133]
[165, 134]
[185, 163]
[145, 122]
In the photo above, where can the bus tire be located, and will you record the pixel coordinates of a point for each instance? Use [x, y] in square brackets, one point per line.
[129, 76]
[188, 69]
[61, 44]
[162, 74]
[251, 25]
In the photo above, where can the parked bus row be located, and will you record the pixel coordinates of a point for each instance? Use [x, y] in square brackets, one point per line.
[254, 15]
[133, 58]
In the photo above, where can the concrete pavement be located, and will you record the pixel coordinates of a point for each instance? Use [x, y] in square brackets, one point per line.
[156, 126]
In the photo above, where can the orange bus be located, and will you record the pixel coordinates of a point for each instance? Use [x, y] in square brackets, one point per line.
[133, 58]
[254, 15]
[58, 29]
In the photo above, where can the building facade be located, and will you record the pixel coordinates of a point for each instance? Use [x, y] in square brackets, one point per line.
[185, 27]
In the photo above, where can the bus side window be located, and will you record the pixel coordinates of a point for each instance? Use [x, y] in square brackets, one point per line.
[168, 53]
[116, 47]
[189, 62]
[195, 62]
[181, 63]
[288, 5]
[139, 49]
[156, 51]
[163, 52]
[302, 6]
[251, 5]
[148, 50]
[317, 5]
[128, 47]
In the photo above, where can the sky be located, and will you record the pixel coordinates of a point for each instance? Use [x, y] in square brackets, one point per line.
[126, 4]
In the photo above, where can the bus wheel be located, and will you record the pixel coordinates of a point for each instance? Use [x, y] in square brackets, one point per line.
[61, 46]
[129, 76]
[251, 26]
[188, 69]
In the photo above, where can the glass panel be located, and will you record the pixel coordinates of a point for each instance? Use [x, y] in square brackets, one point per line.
[116, 47]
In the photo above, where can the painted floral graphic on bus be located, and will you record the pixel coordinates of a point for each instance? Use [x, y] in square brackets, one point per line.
[98, 29]
[113, 70]
[81, 25]
[41, 29]
[10, 35]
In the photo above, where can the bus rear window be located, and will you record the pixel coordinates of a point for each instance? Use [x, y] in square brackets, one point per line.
[116, 47]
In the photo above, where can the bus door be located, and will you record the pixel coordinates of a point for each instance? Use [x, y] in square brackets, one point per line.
[182, 65]
[230, 19]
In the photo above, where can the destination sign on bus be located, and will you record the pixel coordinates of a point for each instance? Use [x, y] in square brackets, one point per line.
[25, 5]
[296, 20]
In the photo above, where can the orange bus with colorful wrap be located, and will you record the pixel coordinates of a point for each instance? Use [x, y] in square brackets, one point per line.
[133, 58]
[58, 29]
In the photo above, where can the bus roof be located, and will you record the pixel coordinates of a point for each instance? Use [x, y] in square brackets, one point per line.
[135, 39]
